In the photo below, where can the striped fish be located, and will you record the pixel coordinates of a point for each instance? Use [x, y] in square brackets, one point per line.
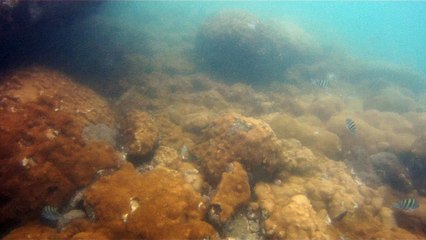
[407, 204]
[350, 125]
[321, 83]
[50, 213]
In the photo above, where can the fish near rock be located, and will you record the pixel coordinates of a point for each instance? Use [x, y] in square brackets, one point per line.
[45, 157]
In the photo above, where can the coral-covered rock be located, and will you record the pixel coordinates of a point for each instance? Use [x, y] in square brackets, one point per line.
[417, 164]
[140, 134]
[232, 192]
[44, 155]
[169, 158]
[239, 45]
[388, 168]
[158, 204]
[375, 131]
[296, 158]
[325, 107]
[311, 135]
[242, 139]
[34, 231]
[295, 219]
[391, 100]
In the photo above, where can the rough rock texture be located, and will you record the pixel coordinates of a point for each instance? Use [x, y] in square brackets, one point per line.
[238, 45]
[376, 131]
[295, 219]
[416, 163]
[170, 158]
[140, 134]
[311, 135]
[232, 192]
[388, 168]
[74, 230]
[242, 139]
[44, 157]
[413, 221]
[153, 205]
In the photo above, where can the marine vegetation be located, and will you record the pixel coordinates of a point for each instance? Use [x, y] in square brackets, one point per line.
[213, 124]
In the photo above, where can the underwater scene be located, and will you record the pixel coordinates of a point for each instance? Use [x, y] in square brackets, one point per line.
[212, 120]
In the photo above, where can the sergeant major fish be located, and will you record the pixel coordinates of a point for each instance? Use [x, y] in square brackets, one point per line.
[351, 126]
[408, 204]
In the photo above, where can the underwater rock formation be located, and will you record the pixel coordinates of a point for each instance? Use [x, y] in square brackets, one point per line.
[311, 135]
[234, 137]
[293, 218]
[44, 156]
[140, 134]
[388, 168]
[376, 131]
[232, 192]
[158, 204]
[416, 163]
[392, 99]
[170, 158]
[239, 45]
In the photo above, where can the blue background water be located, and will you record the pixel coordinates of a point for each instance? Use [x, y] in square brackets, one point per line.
[388, 31]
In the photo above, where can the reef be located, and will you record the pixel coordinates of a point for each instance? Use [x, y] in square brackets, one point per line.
[158, 204]
[201, 157]
[238, 45]
[44, 156]
[232, 192]
[235, 138]
[140, 134]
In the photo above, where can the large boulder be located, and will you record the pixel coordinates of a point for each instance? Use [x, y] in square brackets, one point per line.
[235, 138]
[239, 45]
[55, 135]
[157, 204]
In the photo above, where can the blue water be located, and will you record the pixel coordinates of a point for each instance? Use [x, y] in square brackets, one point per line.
[392, 32]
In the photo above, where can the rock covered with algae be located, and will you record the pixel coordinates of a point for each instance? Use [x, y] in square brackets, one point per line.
[139, 132]
[232, 192]
[246, 140]
[315, 197]
[44, 156]
[158, 204]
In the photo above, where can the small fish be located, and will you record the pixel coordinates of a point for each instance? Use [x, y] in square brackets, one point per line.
[321, 83]
[350, 125]
[407, 204]
[68, 217]
[340, 216]
[50, 213]
[90, 212]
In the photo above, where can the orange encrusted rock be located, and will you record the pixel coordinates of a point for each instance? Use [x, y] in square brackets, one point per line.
[140, 133]
[242, 139]
[153, 205]
[55, 136]
[232, 191]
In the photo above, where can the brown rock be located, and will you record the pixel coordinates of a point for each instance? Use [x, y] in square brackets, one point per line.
[154, 205]
[232, 191]
[44, 156]
[140, 133]
[242, 139]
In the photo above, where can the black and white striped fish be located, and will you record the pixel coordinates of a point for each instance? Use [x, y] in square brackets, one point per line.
[321, 83]
[50, 213]
[350, 125]
[407, 204]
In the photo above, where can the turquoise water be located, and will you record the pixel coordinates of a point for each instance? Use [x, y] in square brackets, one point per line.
[386, 31]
